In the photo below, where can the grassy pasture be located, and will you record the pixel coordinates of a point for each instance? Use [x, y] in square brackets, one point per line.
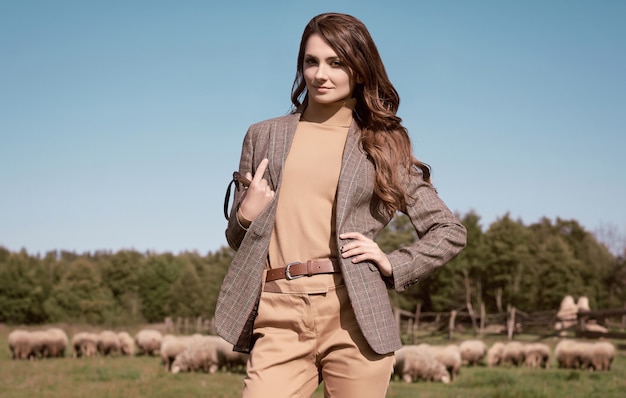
[125, 377]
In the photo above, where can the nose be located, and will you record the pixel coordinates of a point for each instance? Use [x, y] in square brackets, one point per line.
[320, 73]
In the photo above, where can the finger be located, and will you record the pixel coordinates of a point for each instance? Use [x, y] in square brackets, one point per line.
[351, 235]
[260, 171]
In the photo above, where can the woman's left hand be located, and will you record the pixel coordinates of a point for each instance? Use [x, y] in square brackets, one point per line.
[361, 248]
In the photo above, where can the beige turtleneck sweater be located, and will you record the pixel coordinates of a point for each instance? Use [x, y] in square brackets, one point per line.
[305, 216]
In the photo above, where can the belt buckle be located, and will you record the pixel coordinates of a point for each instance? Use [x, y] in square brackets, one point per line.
[288, 275]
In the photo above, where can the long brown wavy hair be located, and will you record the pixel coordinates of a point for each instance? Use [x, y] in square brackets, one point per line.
[383, 136]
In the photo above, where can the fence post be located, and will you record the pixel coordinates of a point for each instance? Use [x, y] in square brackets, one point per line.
[483, 315]
[451, 324]
[511, 323]
[418, 312]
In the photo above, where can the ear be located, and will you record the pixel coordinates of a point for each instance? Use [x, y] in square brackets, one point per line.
[359, 79]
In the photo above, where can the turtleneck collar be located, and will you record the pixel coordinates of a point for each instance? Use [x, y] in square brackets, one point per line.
[341, 118]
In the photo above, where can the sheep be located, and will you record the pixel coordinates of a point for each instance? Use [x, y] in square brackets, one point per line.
[199, 355]
[537, 355]
[596, 356]
[127, 344]
[50, 343]
[171, 346]
[108, 343]
[571, 354]
[228, 359]
[148, 342]
[513, 353]
[85, 344]
[472, 351]
[417, 362]
[19, 344]
[56, 343]
[567, 354]
[602, 355]
[38, 344]
[450, 356]
[494, 354]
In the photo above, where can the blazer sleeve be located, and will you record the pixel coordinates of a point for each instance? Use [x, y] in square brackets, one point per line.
[235, 232]
[441, 236]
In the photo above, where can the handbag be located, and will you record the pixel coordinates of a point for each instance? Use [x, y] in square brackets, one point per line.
[238, 181]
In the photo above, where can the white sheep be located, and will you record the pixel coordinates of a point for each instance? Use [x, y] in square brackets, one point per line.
[171, 346]
[108, 343]
[568, 354]
[199, 355]
[602, 355]
[537, 355]
[228, 359]
[148, 342]
[85, 344]
[494, 354]
[56, 343]
[19, 344]
[127, 344]
[450, 356]
[50, 343]
[417, 362]
[472, 351]
[598, 356]
[513, 353]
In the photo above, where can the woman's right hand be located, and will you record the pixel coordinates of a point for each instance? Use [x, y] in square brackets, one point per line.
[258, 195]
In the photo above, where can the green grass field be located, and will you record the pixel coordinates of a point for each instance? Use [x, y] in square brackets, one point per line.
[144, 377]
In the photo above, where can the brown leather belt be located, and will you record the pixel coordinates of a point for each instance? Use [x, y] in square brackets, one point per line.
[298, 270]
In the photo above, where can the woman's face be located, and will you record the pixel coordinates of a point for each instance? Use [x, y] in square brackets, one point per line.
[328, 80]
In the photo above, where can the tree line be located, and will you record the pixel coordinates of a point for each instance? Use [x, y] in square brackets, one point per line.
[531, 267]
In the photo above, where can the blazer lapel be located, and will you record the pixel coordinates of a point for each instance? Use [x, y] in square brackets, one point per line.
[349, 175]
[280, 142]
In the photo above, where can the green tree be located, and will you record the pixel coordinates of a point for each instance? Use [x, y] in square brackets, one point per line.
[158, 274]
[188, 298]
[22, 288]
[557, 275]
[507, 257]
[120, 273]
[81, 296]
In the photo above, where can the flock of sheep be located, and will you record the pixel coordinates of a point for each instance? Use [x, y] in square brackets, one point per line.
[439, 363]
[205, 353]
[178, 353]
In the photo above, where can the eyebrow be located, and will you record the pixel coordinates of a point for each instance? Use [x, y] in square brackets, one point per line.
[336, 57]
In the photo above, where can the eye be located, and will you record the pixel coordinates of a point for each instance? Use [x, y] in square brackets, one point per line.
[310, 61]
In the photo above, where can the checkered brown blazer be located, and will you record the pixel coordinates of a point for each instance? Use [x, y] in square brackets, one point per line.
[441, 238]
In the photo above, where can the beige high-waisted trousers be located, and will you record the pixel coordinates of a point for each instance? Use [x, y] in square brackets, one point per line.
[306, 338]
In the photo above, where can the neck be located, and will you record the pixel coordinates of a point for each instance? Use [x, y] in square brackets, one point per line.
[340, 112]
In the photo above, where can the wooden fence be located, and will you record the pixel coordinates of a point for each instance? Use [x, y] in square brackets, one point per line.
[507, 323]
[189, 325]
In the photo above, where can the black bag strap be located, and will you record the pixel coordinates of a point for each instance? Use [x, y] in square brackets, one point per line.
[227, 197]
[237, 180]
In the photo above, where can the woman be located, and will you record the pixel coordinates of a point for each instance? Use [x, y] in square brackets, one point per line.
[306, 292]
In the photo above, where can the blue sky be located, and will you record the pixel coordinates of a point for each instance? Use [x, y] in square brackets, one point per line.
[121, 121]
